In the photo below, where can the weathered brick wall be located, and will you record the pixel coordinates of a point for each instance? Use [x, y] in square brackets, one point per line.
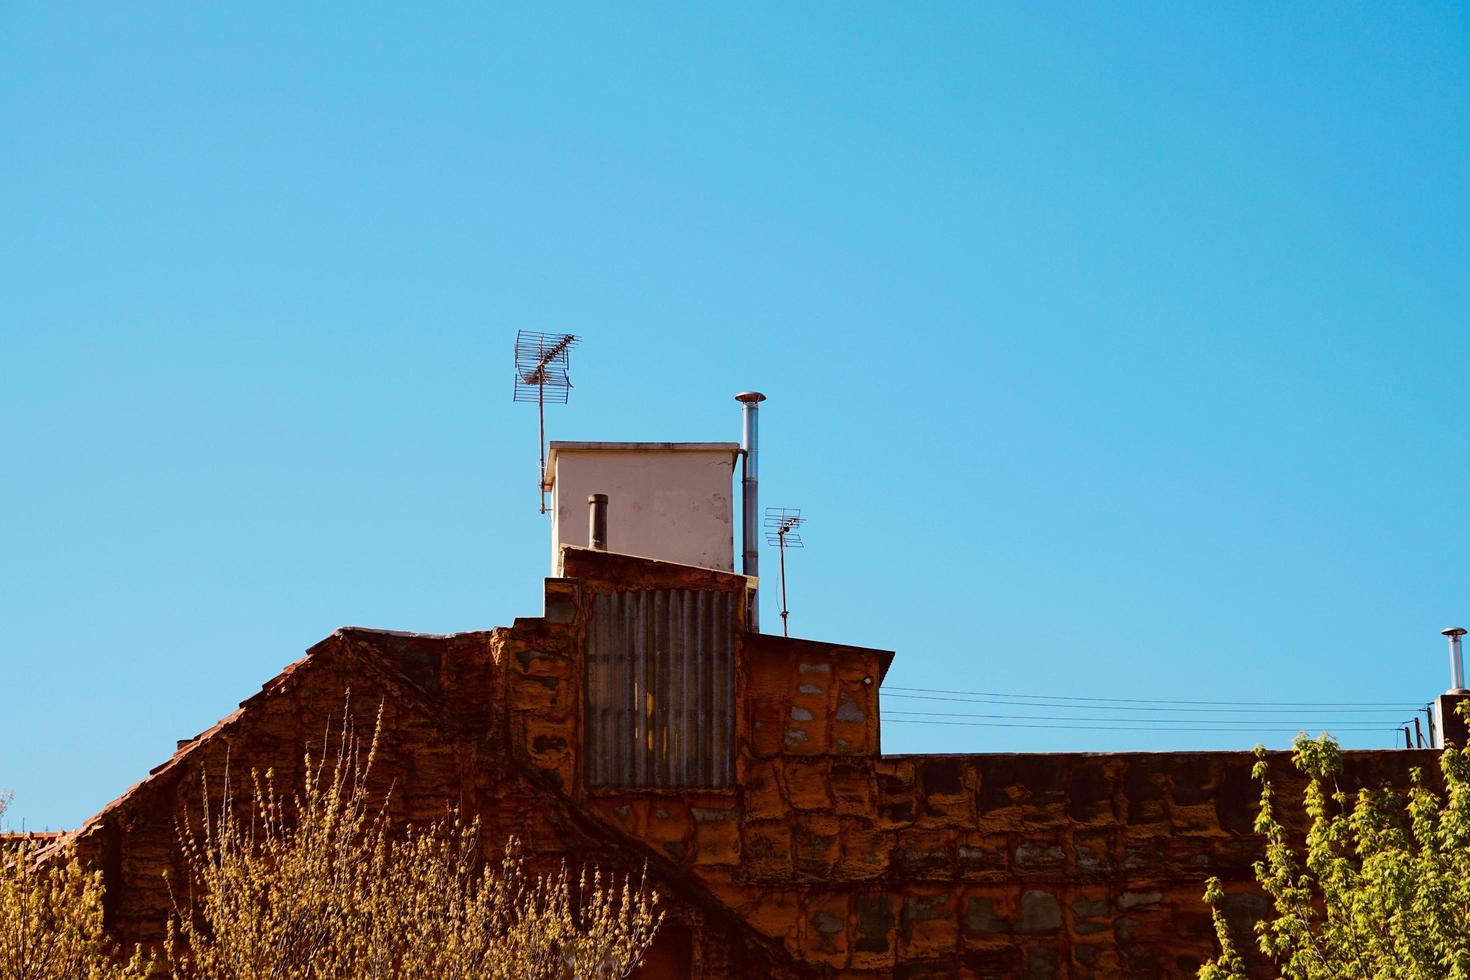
[1060, 865]
[826, 858]
[441, 747]
[1055, 866]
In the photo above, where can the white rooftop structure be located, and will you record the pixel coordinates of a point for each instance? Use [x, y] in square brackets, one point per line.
[667, 500]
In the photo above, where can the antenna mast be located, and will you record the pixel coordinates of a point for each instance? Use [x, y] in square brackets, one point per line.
[781, 524]
[541, 377]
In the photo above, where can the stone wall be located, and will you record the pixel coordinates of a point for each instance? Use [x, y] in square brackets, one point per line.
[441, 748]
[826, 858]
[1038, 865]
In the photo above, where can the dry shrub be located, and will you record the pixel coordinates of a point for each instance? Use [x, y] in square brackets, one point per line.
[51, 918]
[316, 885]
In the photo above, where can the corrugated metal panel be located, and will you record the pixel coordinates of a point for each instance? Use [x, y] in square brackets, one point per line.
[660, 689]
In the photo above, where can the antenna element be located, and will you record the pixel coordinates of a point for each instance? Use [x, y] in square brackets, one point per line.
[781, 524]
[541, 377]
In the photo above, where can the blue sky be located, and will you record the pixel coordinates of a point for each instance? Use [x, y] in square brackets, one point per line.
[1111, 351]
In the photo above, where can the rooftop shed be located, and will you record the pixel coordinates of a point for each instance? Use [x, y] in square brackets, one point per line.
[667, 500]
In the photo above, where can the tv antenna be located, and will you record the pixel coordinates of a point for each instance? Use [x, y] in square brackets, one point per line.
[541, 377]
[781, 524]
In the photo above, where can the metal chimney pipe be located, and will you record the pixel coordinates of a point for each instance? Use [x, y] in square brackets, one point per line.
[597, 522]
[1457, 663]
[750, 500]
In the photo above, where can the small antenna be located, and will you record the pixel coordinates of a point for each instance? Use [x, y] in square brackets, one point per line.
[781, 524]
[541, 377]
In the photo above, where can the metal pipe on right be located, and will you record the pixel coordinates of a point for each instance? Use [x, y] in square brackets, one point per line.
[1457, 663]
[750, 501]
[1449, 726]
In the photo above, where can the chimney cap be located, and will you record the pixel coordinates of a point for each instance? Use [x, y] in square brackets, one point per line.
[750, 397]
[1453, 631]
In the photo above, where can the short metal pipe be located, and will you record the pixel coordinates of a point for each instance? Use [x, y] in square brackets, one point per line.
[750, 499]
[1457, 663]
[597, 522]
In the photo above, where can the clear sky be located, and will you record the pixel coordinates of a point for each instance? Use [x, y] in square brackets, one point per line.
[1112, 351]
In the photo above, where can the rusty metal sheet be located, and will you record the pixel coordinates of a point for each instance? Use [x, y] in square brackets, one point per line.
[660, 689]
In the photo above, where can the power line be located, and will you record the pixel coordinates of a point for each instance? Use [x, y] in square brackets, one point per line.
[1062, 697]
[1246, 725]
[972, 697]
[1105, 728]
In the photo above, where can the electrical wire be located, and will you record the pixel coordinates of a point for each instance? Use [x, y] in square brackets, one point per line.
[968, 697]
[1245, 724]
[1197, 715]
[1104, 728]
[1397, 705]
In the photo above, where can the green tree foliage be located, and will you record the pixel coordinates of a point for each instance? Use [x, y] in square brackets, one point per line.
[1382, 888]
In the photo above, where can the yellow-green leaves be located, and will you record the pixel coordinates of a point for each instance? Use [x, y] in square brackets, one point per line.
[1382, 889]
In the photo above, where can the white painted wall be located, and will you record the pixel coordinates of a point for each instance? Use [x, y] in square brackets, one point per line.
[666, 500]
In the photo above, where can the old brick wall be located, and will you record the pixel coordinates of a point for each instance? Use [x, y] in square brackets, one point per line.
[859, 864]
[441, 748]
[825, 858]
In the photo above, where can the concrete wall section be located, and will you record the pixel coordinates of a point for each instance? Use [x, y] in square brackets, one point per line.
[670, 501]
